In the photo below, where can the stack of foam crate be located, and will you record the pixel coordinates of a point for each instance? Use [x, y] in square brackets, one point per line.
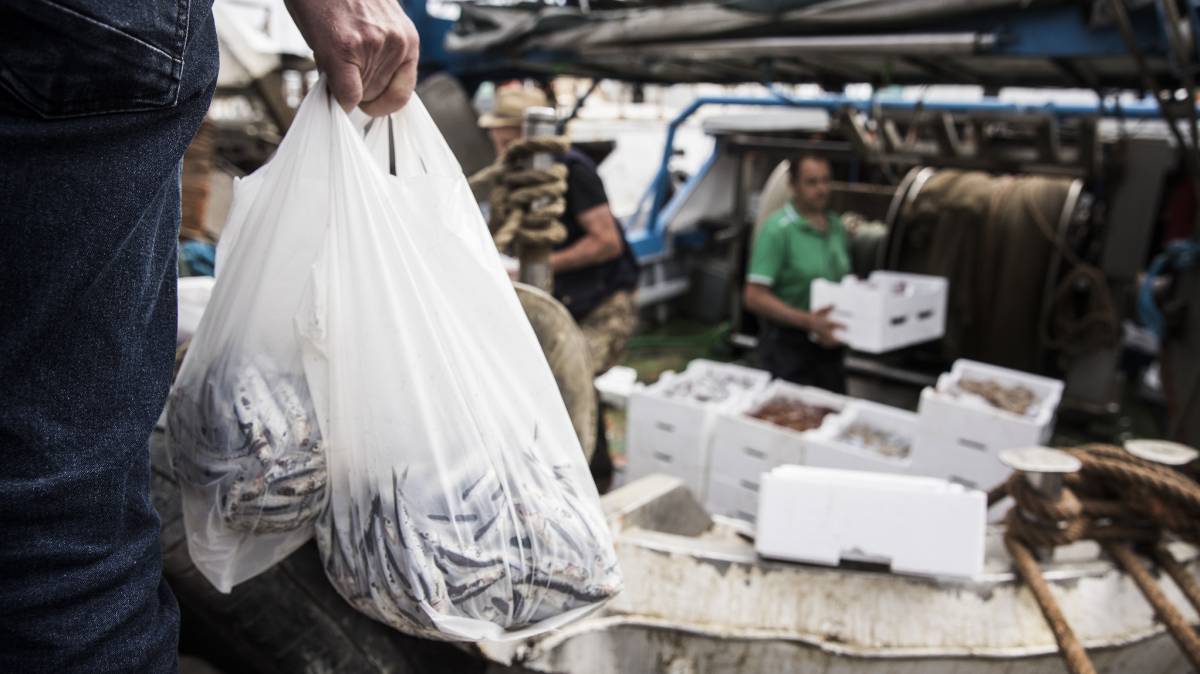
[744, 448]
[669, 424]
[961, 434]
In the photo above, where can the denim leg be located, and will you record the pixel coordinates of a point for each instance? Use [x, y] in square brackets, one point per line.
[89, 215]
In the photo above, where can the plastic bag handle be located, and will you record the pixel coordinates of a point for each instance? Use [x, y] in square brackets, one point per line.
[422, 148]
[391, 141]
[391, 146]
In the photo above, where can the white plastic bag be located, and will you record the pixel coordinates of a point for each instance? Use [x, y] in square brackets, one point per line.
[459, 502]
[244, 440]
[461, 506]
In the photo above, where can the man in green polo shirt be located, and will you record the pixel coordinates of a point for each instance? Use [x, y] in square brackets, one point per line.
[800, 242]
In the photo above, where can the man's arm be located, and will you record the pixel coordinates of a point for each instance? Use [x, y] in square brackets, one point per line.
[367, 48]
[600, 243]
[760, 301]
[763, 303]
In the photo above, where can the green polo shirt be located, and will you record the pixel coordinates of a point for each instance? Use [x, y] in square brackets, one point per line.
[789, 254]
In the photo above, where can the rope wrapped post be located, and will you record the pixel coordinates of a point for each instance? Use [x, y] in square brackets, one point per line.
[1046, 515]
[535, 257]
[1042, 470]
[1170, 456]
[1165, 453]
[1128, 495]
[527, 203]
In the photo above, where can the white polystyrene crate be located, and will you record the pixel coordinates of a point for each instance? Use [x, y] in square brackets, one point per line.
[754, 378]
[939, 454]
[913, 525]
[689, 470]
[877, 319]
[825, 449]
[666, 436]
[963, 413]
[672, 435]
[961, 435]
[737, 499]
[745, 447]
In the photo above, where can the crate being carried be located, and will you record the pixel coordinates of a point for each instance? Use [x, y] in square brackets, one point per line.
[769, 431]
[669, 423]
[886, 311]
[976, 411]
[865, 436]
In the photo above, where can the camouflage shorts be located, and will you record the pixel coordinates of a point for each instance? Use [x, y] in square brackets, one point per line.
[608, 327]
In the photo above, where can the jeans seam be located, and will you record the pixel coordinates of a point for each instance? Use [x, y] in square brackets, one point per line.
[182, 25]
[101, 106]
[111, 105]
[107, 26]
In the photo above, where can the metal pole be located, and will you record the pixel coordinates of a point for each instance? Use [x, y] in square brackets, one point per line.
[535, 260]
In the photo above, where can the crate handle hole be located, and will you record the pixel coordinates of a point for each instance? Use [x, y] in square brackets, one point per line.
[971, 444]
[969, 484]
[857, 560]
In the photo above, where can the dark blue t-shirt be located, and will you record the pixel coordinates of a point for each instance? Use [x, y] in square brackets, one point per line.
[582, 290]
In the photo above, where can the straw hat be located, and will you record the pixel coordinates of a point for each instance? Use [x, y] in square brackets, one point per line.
[511, 104]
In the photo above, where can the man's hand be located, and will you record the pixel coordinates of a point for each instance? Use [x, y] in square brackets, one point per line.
[823, 328]
[367, 48]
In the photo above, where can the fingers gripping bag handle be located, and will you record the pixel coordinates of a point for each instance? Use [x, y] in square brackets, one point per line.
[460, 504]
[244, 438]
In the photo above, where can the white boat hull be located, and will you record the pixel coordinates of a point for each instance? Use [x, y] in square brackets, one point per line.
[698, 600]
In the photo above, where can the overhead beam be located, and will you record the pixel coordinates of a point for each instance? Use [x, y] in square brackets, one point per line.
[917, 44]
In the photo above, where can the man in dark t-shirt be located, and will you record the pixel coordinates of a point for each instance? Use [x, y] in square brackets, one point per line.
[595, 273]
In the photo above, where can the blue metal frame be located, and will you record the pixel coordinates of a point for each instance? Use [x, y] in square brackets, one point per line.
[1063, 32]
[1036, 32]
[470, 68]
[651, 239]
[1050, 32]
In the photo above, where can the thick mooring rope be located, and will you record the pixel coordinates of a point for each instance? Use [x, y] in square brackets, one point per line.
[1127, 499]
[1073, 653]
[526, 204]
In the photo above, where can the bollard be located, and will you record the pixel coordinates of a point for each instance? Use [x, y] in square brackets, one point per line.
[1162, 452]
[1043, 468]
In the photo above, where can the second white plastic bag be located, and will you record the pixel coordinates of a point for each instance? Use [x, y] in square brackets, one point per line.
[460, 503]
[244, 439]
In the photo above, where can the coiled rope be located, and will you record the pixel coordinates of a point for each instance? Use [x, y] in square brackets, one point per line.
[526, 204]
[1124, 499]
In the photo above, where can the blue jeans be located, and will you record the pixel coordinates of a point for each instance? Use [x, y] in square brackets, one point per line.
[98, 100]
